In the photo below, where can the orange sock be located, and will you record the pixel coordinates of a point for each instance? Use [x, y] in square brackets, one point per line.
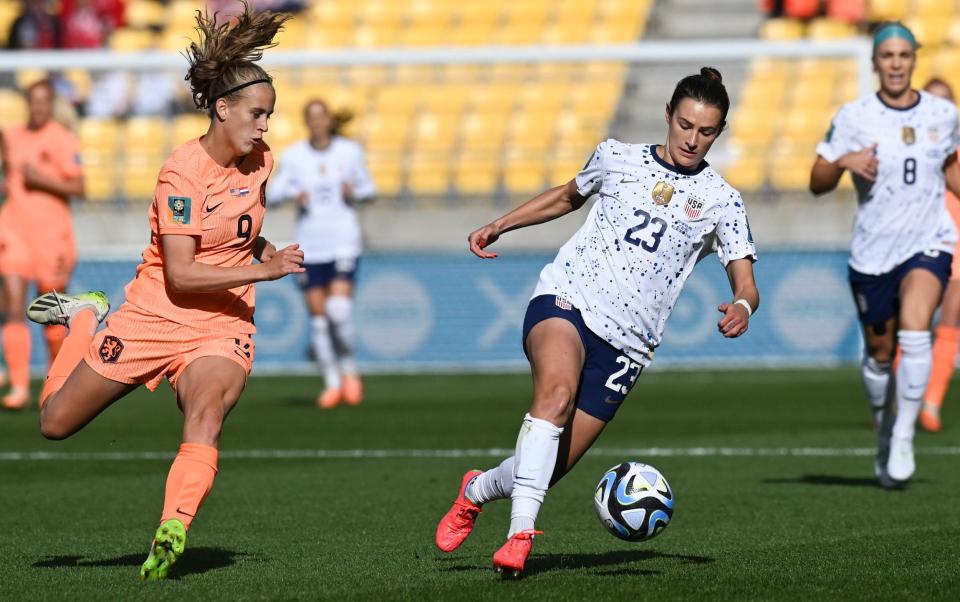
[54, 336]
[16, 349]
[944, 355]
[189, 481]
[82, 327]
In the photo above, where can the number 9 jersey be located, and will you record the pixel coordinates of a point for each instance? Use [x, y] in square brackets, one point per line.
[223, 208]
[625, 267]
[902, 213]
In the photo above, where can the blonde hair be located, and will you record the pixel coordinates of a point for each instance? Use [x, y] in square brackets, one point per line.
[224, 60]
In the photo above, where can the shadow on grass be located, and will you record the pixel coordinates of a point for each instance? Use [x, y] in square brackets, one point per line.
[193, 562]
[615, 562]
[832, 480]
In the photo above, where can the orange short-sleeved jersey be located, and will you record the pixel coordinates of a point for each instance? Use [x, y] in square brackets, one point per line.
[223, 208]
[52, 150]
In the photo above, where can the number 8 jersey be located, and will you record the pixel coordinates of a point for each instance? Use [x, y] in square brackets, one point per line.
[902, 213]
[651, 223]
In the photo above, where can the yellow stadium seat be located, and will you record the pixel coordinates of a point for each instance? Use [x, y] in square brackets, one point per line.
[830, 29]
[448, 98]
[145, 134]
[435, 132]
[284, 130]
[564, 167]
[941, 9]
[746, 173]
[479, 12]
[476, 175]
[322, 36]
[888, 10]
[145, 13]
[930, 31]
[189, 126]
[805, 125]
[483, 131]
[294, 34]
[494, 98]
[545, 97]
[400, 98]
[575, 12]
[382, 13]
[524, 176]
[625, 9]
[13, 109]
[527, 12]
[335, 13]
[473, 34]
[428, 175]
[615, 30]
[386, 132]
[425, 35]
[437, 13]
[99, 182]
[754, 127]
[531, 131]
[387, 173]
[565, 32]
[99, 135]
[375, 37]
[817, 97]
[132, 40]
[518, 33]
[790, 171]
[782, 29]
[139, 177]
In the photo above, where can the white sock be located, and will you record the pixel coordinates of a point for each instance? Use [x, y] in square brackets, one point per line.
[494, 484]
[323, 349]
[339, 311]
[912, 374]
[534, 460]
[876, 377]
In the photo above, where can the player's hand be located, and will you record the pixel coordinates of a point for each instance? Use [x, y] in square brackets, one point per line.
[481, 239]
[267, 253]
[735, 320]
[863, 162]
[288, 260]
[347, 192]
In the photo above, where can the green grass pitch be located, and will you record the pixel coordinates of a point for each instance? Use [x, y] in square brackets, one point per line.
[746, 527]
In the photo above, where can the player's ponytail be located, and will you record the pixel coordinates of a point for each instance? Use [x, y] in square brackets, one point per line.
[706, 87]
[223, 62]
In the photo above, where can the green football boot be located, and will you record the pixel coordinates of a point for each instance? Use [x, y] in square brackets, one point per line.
[168, 544]
[58, 308]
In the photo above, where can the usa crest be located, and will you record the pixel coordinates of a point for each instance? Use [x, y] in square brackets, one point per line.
[908, 134]
[110, 349]
[662, 193]
[693, 207]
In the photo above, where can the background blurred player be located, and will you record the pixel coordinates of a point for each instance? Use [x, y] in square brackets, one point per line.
[41, 172]
[947, 333]
[189, 311]
[599, 309]
[897, 145]
[327, 176]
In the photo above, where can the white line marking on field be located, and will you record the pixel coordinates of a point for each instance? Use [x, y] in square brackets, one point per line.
[363, 454]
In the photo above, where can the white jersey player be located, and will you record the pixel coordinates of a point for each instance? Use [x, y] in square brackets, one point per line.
[899, 146]
[600, 307]
[327, 176]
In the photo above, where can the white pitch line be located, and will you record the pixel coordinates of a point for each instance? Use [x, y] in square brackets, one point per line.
[362, 454]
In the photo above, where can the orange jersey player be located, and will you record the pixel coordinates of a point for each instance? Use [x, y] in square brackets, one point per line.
[189, 311]
[41, 172]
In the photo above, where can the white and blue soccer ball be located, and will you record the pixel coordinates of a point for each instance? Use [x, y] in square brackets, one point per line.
[634, 501]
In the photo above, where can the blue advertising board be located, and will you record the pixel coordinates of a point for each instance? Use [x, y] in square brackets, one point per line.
[421, 312]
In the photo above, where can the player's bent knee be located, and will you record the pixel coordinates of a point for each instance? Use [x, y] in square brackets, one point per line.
[53, 429]
[555, 404]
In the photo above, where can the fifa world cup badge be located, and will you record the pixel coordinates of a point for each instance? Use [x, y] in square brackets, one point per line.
[179, 207]
[908, 134]
[662, 193]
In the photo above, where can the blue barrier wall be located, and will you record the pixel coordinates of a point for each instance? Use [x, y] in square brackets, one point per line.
[442, 312]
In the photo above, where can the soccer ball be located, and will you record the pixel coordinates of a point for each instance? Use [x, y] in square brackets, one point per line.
[634, 501]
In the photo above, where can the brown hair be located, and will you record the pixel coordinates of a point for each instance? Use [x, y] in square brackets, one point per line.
[936, 81]
[223, 62]
[43, 83]
[706, 87]
[338, 119]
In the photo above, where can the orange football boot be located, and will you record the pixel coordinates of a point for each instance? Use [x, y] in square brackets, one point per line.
[509, 560]
[352, 390]
[457, 524]
[330, 398]
[16, 399]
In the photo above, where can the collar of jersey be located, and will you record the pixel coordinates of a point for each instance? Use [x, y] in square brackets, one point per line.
[919, 98]
[652, 149]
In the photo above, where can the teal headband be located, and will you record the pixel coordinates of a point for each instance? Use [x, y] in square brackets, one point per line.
[893, 30]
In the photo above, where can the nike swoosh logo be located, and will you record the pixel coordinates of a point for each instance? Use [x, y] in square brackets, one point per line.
[626, 181]
[608, 400]
[179, 511]
[214, 207]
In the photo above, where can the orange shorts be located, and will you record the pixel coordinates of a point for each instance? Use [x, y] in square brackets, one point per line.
[140, 348]
[47, 258]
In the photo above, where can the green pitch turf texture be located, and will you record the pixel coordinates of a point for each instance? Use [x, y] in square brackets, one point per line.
[746, 527]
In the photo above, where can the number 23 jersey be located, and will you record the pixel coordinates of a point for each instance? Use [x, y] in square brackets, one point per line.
[902, 213]
[625, 267]
[223, 208]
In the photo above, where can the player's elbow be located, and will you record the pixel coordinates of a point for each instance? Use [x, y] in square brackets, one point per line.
[178, 278]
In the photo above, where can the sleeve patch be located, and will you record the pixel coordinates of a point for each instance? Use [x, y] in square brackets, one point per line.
[179, 209]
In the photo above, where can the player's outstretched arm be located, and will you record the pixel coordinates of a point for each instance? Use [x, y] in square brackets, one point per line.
[546, 206]
[825, 175]
[746, 299]
[185, 274]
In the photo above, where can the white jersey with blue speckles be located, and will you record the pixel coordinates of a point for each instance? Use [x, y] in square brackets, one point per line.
[625, 267]
[902, 212]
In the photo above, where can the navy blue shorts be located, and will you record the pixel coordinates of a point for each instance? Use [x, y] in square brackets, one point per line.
[322, 274]
[608, 374]
[878, 297]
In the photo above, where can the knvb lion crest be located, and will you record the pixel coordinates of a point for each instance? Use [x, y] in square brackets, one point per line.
[110, 349]
[662, 193]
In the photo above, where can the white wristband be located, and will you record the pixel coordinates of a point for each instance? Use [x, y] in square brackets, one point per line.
[746, 304]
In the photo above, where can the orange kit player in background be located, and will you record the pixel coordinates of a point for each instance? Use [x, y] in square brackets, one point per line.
[947, 332]
[189, 311]
[42, 170]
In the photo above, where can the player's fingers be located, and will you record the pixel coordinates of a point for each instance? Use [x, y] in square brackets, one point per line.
[722, 308]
